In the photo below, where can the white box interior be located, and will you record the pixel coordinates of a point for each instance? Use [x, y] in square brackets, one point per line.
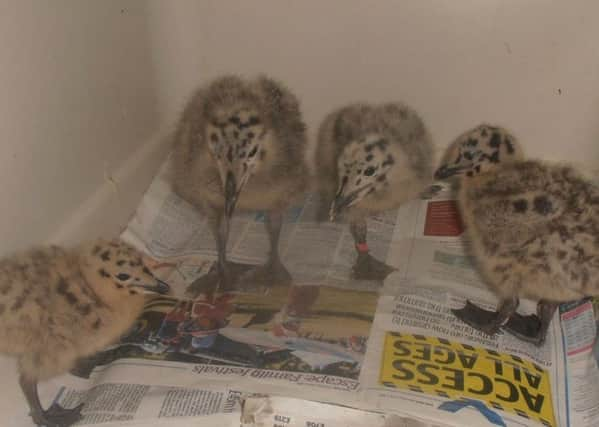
[90, 89]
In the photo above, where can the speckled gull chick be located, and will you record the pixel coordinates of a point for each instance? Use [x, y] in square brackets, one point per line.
[369, 159]
[58, 305]
[534, 229]
[241, 144]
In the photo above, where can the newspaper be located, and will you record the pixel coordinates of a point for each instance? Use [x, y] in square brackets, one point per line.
[330, 351]
[269, 411]
[421, 358]
[122, 402]
[315, 253]
[307, 340]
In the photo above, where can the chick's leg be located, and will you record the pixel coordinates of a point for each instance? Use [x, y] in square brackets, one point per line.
[55, 415]
[223, 274]
[532, 328]
[366, 266]
[273, 273]
[486, 321]
[280, 275]
[220, 229]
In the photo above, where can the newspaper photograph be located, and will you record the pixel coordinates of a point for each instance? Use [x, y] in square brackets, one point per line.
[306, 341]
[261, 337]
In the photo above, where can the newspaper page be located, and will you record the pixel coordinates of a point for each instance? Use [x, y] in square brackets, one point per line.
[315, 253]
[392, 350]
[124, 396]
[277, 411]
[421, 358]
[306, 340]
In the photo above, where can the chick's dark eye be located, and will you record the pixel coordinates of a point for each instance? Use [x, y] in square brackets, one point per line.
[369, 171]
[123, 276]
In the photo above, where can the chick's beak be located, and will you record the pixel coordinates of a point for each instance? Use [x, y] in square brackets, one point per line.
[447, 171]
[233, 188]
[160, 287]
[231, 194]
[344, 201]
[340, 203]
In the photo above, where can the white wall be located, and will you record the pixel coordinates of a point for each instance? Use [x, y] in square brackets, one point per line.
[530, 65]
[77, 98]
[86, 85]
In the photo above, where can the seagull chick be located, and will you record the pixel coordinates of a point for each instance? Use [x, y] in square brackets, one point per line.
[370, 159]
[58, 305]
[476, 151]
[534, 229]
[241, 144]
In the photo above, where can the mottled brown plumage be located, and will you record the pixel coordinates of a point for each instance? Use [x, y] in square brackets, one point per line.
[371, 158]
[58, 305]
[534, 229]
[241, 144]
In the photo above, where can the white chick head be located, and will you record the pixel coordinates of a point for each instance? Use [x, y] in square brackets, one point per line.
[477, 151]
[362, 169]
[235, 141]
[114, 266]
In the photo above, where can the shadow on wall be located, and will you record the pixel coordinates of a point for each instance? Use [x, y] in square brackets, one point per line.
[79, 96]
[530, 69]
